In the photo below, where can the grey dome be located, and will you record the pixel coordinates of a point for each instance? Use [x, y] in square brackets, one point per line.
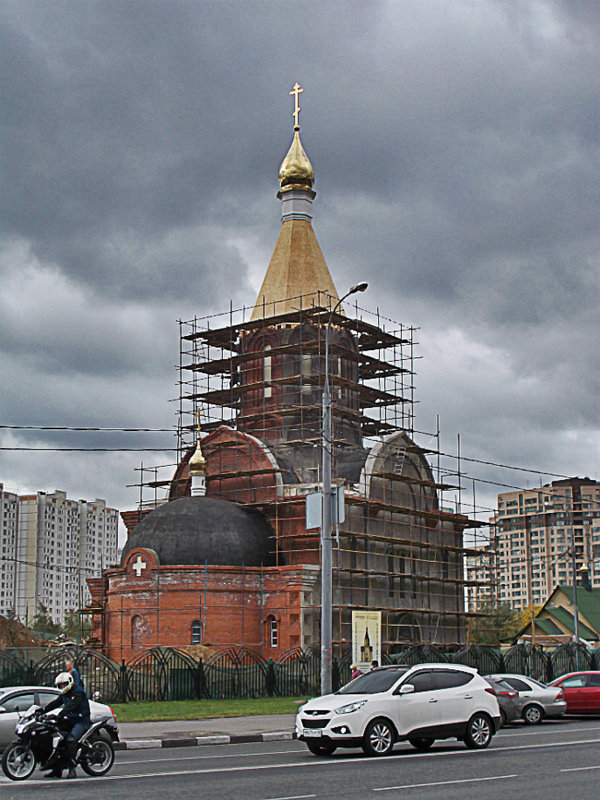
[195, 530]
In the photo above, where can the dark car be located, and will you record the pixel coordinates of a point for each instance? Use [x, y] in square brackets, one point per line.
[535, 700]
[507, 699]
[581, 690]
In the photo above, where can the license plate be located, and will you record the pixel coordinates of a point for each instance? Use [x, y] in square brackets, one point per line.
[310, 734]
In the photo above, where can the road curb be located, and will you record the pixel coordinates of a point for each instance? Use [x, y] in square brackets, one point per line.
[201, 741]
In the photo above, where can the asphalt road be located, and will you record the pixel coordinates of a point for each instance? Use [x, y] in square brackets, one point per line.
[551, 761]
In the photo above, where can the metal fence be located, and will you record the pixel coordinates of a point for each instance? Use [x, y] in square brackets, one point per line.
[164, 673]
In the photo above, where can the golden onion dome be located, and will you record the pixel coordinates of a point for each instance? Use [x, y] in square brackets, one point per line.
[296, 169]
[197, 462]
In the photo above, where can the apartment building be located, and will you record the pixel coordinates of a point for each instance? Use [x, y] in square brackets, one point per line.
[49, 546]
[542, 535]
[480, 578]
[8, 540]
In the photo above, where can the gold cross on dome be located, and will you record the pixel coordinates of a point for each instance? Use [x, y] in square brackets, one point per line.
[296, 91]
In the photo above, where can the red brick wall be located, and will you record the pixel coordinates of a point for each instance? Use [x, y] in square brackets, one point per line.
[234, 605]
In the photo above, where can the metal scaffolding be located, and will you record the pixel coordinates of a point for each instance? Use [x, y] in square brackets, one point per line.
[398, 550]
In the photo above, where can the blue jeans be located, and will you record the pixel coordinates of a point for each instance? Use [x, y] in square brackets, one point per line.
[77, 730]
[80, 728]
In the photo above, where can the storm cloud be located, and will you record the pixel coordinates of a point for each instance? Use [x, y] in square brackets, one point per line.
[456, 154]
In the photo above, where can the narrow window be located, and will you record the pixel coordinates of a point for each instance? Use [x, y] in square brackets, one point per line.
[402, 575]
[445, 563]
[196, 631]
[306, 373]
[268, 391]
[273, 632]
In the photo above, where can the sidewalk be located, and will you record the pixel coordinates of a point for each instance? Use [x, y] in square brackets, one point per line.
[192, 733]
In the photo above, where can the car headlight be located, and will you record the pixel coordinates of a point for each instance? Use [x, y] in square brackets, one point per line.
[350, 707]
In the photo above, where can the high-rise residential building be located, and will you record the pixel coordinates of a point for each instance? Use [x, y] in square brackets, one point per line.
[480, 578]
[8, 540]
[50, 546]
[542, 535]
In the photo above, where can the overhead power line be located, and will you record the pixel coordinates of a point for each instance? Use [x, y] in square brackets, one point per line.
[83, 428]
[48, 566]
[94, 449]
[505, 466]
[116, 429]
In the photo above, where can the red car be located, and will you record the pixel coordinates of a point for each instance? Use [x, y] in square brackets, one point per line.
[581, 690]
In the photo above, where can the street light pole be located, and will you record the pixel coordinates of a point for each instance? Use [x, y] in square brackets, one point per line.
[326, 540]
[575, 604]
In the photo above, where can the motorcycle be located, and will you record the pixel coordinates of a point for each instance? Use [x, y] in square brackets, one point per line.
[41, 742]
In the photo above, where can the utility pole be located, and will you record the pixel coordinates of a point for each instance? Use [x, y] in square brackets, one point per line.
[529, 568]
[326, 540]
[575, 606]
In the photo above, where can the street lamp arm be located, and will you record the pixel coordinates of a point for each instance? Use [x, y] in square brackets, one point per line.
[358, 287]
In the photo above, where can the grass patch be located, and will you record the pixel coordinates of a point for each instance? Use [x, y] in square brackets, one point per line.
[205, 709]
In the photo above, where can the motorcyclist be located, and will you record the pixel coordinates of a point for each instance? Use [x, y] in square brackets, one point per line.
[75, 713]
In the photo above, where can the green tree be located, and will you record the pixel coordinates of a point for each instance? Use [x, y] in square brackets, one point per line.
[10, 628]
[497, 624]
[75, 627]
[525, 616]
[43, 622]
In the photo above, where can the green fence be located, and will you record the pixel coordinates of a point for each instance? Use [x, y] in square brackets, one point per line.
[165, 673]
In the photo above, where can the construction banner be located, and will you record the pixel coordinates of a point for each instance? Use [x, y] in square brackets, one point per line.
[366, 638]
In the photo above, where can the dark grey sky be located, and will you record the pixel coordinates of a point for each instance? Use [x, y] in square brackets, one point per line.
[455, 147]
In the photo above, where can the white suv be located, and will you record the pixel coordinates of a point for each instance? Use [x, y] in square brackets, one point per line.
[421, 703]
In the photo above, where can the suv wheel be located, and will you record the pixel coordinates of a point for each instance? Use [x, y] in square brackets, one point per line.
[378, 739]
[479, 732]
[421, 742]
[533, 715]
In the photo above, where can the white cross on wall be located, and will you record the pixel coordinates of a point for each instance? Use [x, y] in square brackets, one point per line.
[139, 565]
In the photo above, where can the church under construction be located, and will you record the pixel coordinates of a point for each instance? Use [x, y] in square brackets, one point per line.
[227, 557]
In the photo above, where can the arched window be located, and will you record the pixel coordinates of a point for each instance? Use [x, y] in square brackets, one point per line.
[196, 637]
[273, 630]
[267, 363]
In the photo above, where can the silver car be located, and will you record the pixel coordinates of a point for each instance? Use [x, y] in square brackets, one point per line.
[536, 700]
[16, 699]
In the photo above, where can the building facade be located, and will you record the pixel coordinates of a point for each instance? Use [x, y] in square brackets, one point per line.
[8, 544]
[480, 579]
[543, 536]
[49, 546]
